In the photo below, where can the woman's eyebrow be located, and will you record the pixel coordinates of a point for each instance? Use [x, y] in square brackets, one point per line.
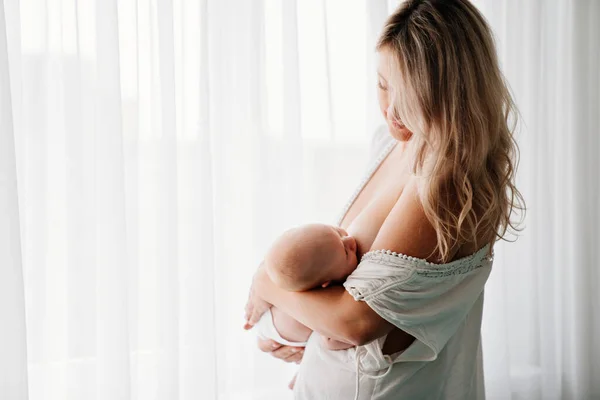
[381, 76]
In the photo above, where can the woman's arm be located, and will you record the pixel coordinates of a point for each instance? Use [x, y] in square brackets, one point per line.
[332, 311]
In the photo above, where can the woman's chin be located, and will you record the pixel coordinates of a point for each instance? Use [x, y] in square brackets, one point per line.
[400, 133]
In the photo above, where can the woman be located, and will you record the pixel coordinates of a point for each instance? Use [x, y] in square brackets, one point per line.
[440, 193]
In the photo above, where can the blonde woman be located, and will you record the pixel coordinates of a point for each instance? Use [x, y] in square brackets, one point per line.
[439, 194]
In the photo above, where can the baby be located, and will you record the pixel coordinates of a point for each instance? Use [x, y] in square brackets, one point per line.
[303, 258]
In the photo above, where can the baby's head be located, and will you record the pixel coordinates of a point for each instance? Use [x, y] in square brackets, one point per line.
[311, 255]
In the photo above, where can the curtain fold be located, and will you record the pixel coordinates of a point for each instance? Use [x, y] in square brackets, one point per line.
[151, 150]
[160, 147]
[541, 320]
[13, 346]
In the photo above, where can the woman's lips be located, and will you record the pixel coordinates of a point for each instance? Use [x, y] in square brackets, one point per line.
[398, 124]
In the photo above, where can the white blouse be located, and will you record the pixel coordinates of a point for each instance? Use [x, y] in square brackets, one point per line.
[439, 304]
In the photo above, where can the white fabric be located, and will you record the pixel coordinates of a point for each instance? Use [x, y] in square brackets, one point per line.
[135, 252]
[265, 328]
[439, 304]
[429, 301]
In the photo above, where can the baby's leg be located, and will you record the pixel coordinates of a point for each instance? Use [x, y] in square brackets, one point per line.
[289, 329]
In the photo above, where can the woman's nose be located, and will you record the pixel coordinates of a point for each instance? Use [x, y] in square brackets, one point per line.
[389, 112]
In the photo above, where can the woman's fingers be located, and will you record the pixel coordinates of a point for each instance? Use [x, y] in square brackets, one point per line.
[292, 382]
[285, 353]
[255, 308]
[248, 309]
[268, 345]
[295, 358]
[247, 313]
[289, 354]
[259, 307]
[249, 305]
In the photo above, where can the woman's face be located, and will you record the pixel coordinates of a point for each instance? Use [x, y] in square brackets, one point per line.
[396, 128]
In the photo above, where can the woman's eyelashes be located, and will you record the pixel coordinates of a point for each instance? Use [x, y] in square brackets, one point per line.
[380, 86]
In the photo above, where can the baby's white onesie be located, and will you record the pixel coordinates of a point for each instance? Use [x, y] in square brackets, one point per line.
[266, 330]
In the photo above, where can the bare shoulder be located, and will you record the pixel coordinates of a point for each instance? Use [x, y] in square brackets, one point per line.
[407, 229]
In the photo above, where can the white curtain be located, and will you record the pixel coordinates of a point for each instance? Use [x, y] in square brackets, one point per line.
[150, 151]
[541, 327]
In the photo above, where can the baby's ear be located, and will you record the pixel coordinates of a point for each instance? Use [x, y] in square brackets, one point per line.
[325, 284]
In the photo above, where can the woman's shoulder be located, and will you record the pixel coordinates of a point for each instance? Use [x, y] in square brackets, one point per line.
[406, 229]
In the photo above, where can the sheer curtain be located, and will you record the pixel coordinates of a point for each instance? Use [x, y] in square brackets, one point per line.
[150, 151]
[159, 147]
[541, 328]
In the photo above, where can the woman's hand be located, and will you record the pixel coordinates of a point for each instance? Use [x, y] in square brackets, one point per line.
[286, 353]
[293, 382]
[255, 306]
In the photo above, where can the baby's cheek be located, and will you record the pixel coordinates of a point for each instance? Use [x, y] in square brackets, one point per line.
[353, 263]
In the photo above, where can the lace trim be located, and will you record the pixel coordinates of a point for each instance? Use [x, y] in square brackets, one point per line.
[428, 269]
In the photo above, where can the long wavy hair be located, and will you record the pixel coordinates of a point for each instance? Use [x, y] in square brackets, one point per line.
[454, 99]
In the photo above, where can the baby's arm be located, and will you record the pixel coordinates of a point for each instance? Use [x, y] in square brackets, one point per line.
[288, 328]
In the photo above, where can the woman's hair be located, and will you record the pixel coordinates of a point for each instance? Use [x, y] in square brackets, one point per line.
[451, 94]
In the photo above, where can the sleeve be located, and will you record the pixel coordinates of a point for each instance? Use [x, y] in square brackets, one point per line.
[428, 301]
